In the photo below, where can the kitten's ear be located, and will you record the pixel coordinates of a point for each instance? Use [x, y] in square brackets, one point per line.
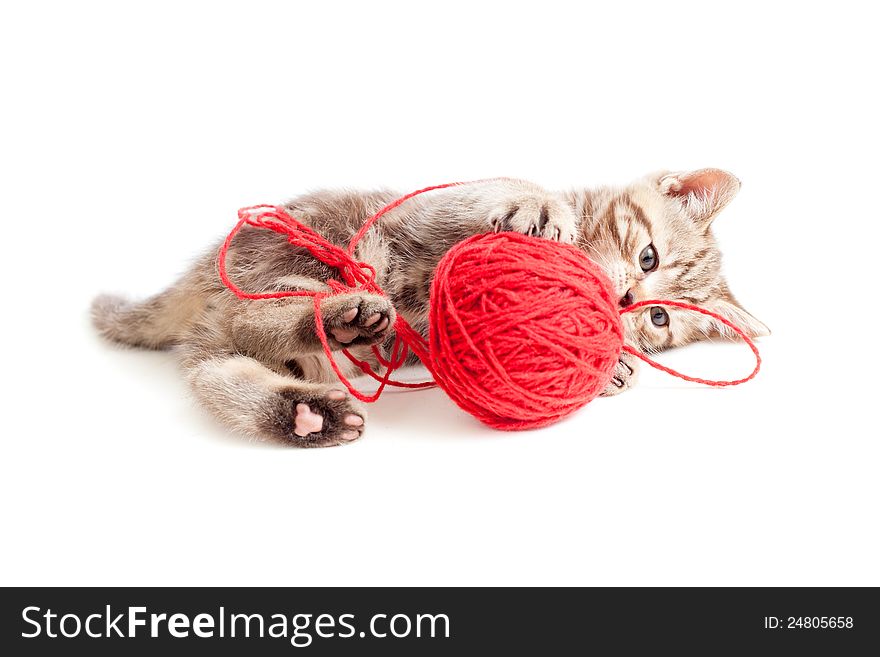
[702, 194]
[729, 309]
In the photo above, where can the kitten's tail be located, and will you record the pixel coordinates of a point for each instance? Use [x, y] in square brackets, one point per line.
[156, 323]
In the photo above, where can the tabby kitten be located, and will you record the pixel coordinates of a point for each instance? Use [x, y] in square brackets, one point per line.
[258, 365]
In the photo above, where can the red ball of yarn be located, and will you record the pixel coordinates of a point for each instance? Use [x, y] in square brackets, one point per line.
[524, 331]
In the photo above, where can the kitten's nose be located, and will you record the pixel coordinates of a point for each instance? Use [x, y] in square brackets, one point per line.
[627, 299]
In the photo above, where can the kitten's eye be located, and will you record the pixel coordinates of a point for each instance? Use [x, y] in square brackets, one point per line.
[659, 317]
[648, 259]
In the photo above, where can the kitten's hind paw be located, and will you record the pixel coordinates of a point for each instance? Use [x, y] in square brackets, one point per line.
[320, 418]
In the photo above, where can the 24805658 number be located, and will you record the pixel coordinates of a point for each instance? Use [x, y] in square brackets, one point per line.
[820, 622]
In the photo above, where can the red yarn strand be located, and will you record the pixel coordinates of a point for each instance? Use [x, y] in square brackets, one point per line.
[403, 199]
[702, 311]
[357, 276]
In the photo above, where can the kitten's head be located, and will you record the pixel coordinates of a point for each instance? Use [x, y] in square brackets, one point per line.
[654, 241]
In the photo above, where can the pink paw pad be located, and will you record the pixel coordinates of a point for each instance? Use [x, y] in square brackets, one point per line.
[306, 421]
[353, 420]
[344, 335]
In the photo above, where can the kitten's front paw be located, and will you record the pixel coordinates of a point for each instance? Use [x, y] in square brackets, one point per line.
[626, 373]
[357, 319]
[323, 418]
[540, 216]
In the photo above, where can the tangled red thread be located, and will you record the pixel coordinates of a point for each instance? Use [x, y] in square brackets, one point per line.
[523, 331]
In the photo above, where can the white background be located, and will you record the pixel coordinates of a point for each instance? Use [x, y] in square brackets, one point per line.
[130, 136]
